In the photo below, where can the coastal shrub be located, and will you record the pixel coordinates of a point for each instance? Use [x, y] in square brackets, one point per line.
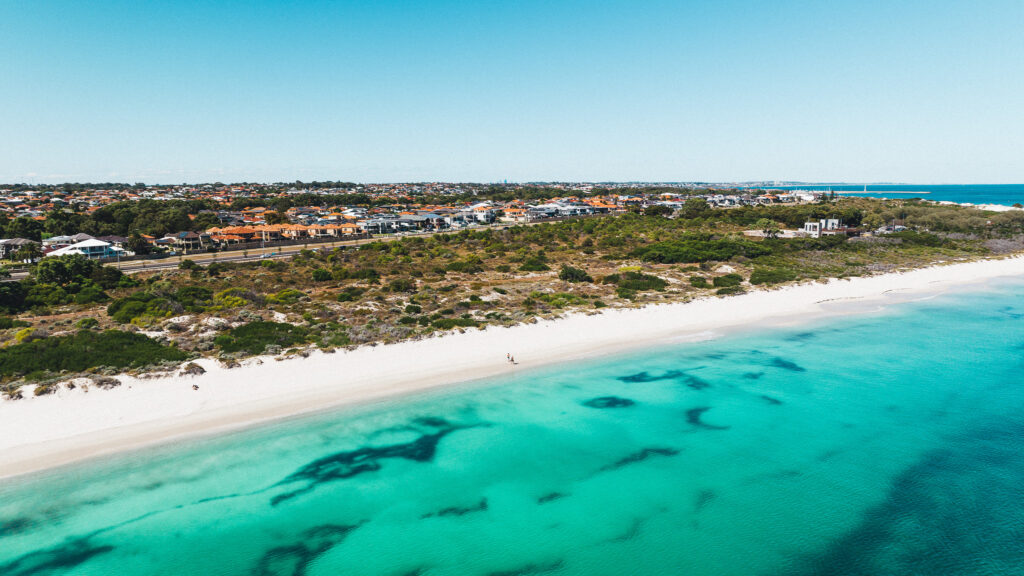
[700, 248]
[913, 238]
[350, 294]
[699, 282]
[6, 322]
[233, 298]
[124, 310]
[254, 337]
[771, 275]
[84, 350]
[87, 323]
[556, 299]
[571, 274]
[625, 293]
[728, 280]
[729, 290]
[194, 298]
[321, 275]
[469, 265]
[658, 210]
[91, 293]
[286, 296]
[635, 281]
[534, 264]
[449, 323]
[413, 309]
[402, 285]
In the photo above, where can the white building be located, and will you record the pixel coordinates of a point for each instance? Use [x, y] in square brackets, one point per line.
[815, 229]
[92, 249]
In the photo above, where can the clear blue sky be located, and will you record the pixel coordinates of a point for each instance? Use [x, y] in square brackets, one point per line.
[721, 90]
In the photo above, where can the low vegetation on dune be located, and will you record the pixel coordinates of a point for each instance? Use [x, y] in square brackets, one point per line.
[75, 316]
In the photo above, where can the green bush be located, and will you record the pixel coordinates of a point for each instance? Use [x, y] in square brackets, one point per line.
[194, 298]
[350, 294]
[84, 350]
[402, 285]
[87, 323]
[469, 265]
[913, 238]
[771, 275]
[727, 281]
[124, 310]
[254, 337]
[321, 275]
[730, 290]
[413, 309]
[449, 323]
[286, 296]
[700, 248]
[635, 281]
[571, 274]
[6, 322]
[699, 282]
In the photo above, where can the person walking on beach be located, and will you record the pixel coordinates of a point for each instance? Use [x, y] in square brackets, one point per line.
[508, 357]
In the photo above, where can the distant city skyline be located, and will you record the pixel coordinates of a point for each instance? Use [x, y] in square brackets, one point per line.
[401, 91]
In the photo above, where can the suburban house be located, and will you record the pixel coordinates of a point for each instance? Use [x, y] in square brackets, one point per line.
[93, 249]
[9, 246]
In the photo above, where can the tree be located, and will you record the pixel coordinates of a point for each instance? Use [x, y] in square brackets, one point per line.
[138, 244]
[28, 253]
[695, 208]
[571, 274]
[22, 227]
[768, 227]
[275, 218]
[658, 210]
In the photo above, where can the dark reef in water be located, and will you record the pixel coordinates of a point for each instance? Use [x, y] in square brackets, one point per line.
[608, 402]
[641, 377]
[777, 362]
[349, 463]
[694, 382]
[956, 512]
[640, 456]
[704, 497]
[632, 532]
[753, 375]
[550, 497]
[690, 380]
[530, 569]
[770, 400]
[294, 559]
[456, 511]
[13, 526]
[1009, 311]
[66, 556]
[693, 417]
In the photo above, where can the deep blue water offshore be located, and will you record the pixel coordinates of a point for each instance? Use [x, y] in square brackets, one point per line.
[1005, 194]
[888, 443]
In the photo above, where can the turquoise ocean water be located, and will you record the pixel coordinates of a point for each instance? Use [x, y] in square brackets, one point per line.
[1005, 194]
[890, 443]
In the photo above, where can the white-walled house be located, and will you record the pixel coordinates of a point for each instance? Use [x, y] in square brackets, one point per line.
[93, 249]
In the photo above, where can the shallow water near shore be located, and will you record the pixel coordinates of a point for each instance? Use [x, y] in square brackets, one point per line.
[890, 443]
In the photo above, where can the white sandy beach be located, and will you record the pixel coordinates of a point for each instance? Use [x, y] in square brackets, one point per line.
[71, 425]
